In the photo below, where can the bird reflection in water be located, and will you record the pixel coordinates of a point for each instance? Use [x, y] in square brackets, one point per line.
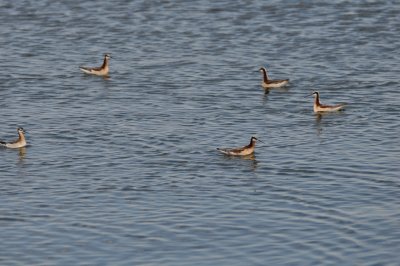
[318, 119]
[249, 160]
[22, 153]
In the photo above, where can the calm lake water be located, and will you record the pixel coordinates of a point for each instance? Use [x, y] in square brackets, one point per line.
[124, 171]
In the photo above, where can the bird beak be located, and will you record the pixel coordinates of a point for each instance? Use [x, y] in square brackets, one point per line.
[308, 95]
[260, 141]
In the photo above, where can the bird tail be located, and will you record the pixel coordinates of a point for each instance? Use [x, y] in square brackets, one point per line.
[85, 69]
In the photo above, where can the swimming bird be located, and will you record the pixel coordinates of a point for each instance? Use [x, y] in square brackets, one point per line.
[19, 143]
[242, 151]
[268, 84]
[99, 71]
[318, 107]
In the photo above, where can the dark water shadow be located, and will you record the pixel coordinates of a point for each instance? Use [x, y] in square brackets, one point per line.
[268, 92]
[265, 96]
[280, 90]
[320, 117]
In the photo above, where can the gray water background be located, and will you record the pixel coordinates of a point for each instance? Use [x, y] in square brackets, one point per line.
[124, 171]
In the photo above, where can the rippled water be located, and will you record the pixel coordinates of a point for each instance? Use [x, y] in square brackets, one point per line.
[124, 171]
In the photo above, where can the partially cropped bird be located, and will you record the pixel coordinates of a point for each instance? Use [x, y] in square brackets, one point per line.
[19, 143]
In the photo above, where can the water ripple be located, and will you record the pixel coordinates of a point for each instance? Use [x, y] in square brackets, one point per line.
[125, 171]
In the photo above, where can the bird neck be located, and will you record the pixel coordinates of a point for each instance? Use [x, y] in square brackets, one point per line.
[21, 137]
[252, 143]
[316, 100]
[265, 74]
[105, 63]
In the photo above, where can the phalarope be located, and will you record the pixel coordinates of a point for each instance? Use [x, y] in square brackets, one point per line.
[268, 84]
[318, 107]
[242, 151]
[99, 71]
[19, 143]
